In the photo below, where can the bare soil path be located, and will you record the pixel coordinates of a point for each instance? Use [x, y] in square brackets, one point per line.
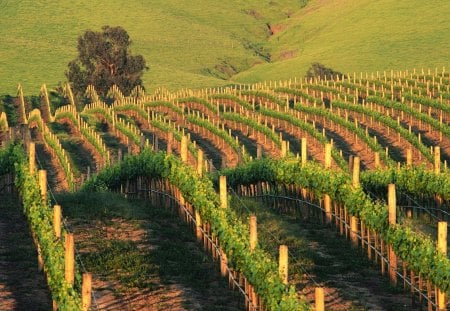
[143, 257]
[318, 256]
[22, 287]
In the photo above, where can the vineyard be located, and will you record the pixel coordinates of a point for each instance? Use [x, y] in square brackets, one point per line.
[284, 195]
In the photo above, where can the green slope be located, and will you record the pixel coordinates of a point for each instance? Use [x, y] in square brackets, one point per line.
[202, 43]
[182, 41]
[362, 35]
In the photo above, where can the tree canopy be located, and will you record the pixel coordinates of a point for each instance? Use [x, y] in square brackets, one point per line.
[319, 70]
[104, 59]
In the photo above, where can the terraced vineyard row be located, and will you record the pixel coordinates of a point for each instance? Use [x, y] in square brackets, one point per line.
[294, 141]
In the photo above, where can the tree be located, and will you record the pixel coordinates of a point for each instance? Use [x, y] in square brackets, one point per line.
[104, 59]
[318, 70]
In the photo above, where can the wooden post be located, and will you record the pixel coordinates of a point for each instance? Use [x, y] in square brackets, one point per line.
[253, 232]
[32, 157]
[184, 149]
[169, 143]
[377, 159]
[223, 263]
[57, 220]
[258, 151]
[223, 191]
[392, 206]
[119, 155]
[86, 291]
[350, 163]
[69, 257]
[355, 175]
[354, 230]
[304, 154]
[43, 184]
[437, 160]
[198, 226]
[327, 155]
[319, 299]
[408, 157]
[283, 149]
[327, 205]
[200, 162]
[283, 263]
[442, 247]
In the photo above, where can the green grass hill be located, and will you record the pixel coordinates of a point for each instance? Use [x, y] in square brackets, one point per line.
[209, 43]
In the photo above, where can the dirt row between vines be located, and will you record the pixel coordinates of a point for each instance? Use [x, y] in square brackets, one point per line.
[22, 286]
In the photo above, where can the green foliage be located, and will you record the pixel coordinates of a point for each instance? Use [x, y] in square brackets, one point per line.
[258, 267]
[104, 60]
[416, 180]
[416, 249]
[318, 70]
[7, 102]
[40, 219]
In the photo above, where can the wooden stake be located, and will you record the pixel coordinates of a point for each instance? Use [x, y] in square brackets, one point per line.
[43, 184]
[86, 291]
[57, 220]
[223, 191]
[283, 149]
[408, 157]
[392, 206]
[355, 175]
[304, 154]
[169, 143]
[198, 226]
[319, 299]
[437, 160]
[184, 149]
[354, 230]
[442, 247]
[223, 263]
[32, 157]
[377, 159]
[200, 162]
[327, 205]
[283, 263]
[69, 257]
[253, 232]
[327, 155]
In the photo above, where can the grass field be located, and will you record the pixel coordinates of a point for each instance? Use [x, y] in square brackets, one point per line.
[211, 43]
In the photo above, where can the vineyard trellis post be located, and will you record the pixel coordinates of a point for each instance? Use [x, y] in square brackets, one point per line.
[442, 247]
[32, 157]
[392, 206]
[69, 256]
[283, 263]
[319, 299]
[57, 220]
[304, 154]
[43, 184]
[355, 173]
[86, 291]
[253, 232]
[223, 191]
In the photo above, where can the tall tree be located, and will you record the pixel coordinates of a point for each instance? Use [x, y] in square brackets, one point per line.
[104, 59]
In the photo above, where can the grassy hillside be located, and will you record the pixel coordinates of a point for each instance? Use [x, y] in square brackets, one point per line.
[204, 43]
[193, 44]
[361, 35]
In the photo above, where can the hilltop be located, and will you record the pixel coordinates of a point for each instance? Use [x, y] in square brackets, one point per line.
[211, 43]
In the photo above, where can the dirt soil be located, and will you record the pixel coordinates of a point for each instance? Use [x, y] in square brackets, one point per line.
[22, 287]
[162, 290]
